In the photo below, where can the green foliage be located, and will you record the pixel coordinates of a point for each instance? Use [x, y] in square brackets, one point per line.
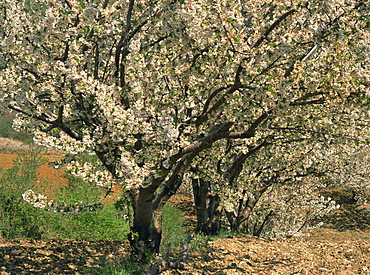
[102, 225]
[17, 219]
[7, 131]
[21, 220]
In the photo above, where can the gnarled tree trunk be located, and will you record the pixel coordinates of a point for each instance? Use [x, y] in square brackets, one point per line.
[207, 207]
[245, 207]
[146, 231]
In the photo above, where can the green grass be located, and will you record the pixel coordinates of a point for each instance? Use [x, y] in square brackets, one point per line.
[7, 131]
[19, 220]
[122, 267]
[174, 232]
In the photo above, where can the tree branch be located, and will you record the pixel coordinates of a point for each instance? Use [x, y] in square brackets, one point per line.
[42, 117]
[231, 89]
[234, 170]
[272, 27]
[207, 141]
[297, 129]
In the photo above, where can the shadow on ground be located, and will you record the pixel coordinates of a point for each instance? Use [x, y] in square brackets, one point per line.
[55, 256]
[350, 216]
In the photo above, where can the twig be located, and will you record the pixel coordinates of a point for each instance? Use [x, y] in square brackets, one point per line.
[185, 248]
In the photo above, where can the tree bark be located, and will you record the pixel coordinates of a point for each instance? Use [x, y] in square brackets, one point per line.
[207, 207]
[146, 231]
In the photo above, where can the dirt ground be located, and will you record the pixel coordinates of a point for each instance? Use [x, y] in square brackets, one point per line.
[45, 172]
[341, 247]
[350, 254]
[309, 255]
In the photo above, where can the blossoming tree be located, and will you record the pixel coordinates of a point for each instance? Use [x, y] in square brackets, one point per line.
[152, 87]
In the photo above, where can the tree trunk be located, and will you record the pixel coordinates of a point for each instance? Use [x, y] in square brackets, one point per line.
[146, 231]
[240, 216]
[207, 207]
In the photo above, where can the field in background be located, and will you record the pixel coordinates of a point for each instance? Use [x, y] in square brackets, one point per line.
[45, 172]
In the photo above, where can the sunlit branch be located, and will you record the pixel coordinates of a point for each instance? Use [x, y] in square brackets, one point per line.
[272, 27]
[297, 129]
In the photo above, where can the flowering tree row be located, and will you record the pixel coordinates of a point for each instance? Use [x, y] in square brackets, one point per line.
[162, 91]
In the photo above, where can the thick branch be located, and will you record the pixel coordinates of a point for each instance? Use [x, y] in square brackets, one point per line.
[231, 89]
[207, 141]
[252, 128]
[272, 27]
[234, 170]
[212, 93]
[174, 182]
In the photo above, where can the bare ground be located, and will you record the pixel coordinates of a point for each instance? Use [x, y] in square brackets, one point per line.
[228, 255]
[342, 246]
[311, 255]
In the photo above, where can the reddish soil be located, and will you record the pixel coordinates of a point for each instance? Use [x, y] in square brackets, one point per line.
[54, 178]
[45, 171]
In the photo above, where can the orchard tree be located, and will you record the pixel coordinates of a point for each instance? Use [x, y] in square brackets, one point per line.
[152, 87]
[268, 191]
[353, 175]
